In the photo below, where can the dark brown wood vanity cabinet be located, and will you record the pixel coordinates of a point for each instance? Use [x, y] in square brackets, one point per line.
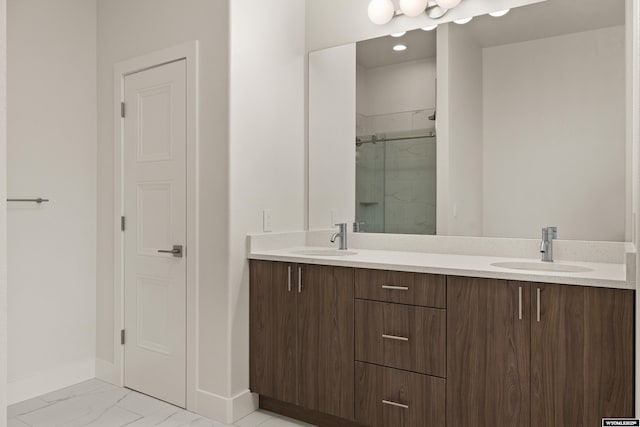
[346, 347]
[302, 336]
[534, 355]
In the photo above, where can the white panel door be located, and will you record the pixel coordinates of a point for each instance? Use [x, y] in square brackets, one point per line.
[155, 209]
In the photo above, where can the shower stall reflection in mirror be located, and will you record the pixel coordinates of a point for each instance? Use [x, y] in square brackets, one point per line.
[396, 182]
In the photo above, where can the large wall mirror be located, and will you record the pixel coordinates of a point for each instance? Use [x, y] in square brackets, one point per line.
[495, 128]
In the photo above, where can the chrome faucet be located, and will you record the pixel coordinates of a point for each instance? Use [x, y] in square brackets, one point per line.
[546, 247]
[342, 234]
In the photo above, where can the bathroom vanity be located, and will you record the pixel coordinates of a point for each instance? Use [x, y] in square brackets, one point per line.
[408, 334]
[343, 342]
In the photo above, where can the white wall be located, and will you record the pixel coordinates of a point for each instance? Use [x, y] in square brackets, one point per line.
[633, 143]
[3, 214]
[462, 114]
[631, 147]
[332, 133]
[51, 153]
[128, 29]
[251, 157]
[407, 86]
[556, 107]
[266, 145]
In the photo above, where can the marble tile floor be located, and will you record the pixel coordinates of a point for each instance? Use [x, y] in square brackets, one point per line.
[98, 404]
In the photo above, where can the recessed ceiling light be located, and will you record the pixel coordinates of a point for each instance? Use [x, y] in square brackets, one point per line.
[430, 27]
[500, 13]
[400, 47]
[398, 34]
[463, 21]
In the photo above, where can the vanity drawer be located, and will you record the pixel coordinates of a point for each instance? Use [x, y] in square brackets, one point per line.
[427, 290]
[401, 336]
[388, 397]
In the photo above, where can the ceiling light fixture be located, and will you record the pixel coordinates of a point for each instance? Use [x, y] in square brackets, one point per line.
[463, 20]
[381, 11]
[413, 8]
[430, 27]
[398, 34]
[500, 13]
[400, 47]
[448, 4]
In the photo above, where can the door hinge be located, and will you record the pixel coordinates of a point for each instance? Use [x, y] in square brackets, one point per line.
[123, 223]
[122, 336]
[122, 110]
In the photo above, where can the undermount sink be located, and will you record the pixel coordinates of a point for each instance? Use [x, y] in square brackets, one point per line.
[323, 252]
[542, 266]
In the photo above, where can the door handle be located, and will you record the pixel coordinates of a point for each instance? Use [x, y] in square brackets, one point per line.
[176, 251]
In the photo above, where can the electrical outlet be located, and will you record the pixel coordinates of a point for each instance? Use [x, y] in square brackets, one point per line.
[333, 218]
[267, 219]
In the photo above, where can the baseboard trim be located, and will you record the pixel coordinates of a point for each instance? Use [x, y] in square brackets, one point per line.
[50, 380]
[108, 372]
[296, 412]
[224, 409]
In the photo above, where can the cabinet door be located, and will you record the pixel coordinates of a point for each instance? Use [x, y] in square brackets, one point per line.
[609, 354]
[273, 330]
[325, 337]
[488, 350]
[582, 355]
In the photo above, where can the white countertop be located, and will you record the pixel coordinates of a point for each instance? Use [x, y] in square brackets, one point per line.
[602, 275]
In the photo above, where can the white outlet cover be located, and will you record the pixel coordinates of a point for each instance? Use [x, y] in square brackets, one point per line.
[267, 220]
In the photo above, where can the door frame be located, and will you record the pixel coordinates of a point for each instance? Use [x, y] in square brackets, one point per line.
[189, 52]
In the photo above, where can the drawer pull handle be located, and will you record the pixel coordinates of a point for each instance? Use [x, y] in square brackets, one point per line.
[398, 405]
[289, 285]
[395, 288]
[394, 337]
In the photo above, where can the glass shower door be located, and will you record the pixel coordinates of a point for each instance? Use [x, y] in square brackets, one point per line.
[396, 183]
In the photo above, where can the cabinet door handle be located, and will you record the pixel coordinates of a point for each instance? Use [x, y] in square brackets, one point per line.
[395, 288]
[398, 405]
[289, 285]
[538, 304]
[520, 302]
[394, 337]
[299, 280]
